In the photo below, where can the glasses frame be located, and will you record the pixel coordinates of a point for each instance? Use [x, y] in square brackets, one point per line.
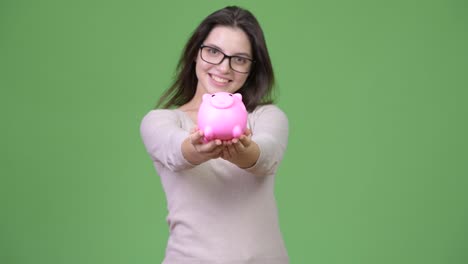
[224, 57]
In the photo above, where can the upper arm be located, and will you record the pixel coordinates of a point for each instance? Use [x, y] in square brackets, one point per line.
[270, 129]
[162, 136]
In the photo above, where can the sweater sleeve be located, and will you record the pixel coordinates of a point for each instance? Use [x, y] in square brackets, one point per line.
[162, 136]
[270, 130]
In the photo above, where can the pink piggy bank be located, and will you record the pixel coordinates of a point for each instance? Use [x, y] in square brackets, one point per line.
[222, 116]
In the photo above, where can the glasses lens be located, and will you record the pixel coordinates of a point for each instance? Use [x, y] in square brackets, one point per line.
[237, 63]
[211, 55]
[240, 64]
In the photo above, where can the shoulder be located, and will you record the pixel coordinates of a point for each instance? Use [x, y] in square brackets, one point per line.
[160, 115]
[269, 110]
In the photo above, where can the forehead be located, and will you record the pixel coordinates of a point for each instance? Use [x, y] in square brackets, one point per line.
[231, 40]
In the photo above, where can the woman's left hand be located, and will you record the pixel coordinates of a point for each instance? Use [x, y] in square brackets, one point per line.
[242, 151]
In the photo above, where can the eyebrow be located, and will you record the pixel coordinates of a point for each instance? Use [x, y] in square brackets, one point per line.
[235, 54]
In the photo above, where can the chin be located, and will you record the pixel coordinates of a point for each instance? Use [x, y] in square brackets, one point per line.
[213, 90]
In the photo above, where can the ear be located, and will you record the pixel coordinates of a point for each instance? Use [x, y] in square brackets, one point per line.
[206, 97]
[238, 95]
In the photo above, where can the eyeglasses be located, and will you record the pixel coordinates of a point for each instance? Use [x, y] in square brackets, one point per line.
[215, 56]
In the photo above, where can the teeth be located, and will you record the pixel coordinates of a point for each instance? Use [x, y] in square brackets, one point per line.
[219, 79]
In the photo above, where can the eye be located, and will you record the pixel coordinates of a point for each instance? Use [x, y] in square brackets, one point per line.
[240, 60]
[230, 94]
[213, 51]
[212, 95]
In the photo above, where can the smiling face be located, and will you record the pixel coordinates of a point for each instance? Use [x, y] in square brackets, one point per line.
[221, 78]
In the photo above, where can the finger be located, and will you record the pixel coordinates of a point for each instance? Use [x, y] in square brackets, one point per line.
[193, 130]
[239, 147]
[216, 152]
[211, 146]
[221, 154]
[196, 137]
[231, 150]
[225, 153]
[245, 141]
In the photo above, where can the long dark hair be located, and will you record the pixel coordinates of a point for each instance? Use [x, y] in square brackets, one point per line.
[257, 89]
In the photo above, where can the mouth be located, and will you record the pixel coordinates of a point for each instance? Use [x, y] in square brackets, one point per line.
[219, 80]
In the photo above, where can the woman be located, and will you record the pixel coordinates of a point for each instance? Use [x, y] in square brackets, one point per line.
[220, 195]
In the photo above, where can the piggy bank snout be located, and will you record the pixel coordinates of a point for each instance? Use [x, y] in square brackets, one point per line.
[222, 101]
[222, 116]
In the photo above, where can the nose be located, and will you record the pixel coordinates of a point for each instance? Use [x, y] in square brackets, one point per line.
[224, 65]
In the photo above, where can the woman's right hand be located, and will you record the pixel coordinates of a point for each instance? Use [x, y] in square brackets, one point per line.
[196, 151]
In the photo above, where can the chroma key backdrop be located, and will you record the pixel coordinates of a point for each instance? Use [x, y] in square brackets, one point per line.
[376, 92]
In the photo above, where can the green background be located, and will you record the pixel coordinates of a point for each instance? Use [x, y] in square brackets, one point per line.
[376, 94]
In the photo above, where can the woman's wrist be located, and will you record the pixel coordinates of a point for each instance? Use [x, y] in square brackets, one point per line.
[189, 152]
[249, 157]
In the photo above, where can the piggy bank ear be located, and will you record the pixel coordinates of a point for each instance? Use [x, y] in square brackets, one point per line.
[206, 97]
[238, 95]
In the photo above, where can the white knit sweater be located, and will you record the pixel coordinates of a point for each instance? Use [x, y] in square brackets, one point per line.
[218, 212]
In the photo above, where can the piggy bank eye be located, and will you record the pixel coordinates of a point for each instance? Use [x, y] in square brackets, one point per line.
[212, 95]
[230, 94]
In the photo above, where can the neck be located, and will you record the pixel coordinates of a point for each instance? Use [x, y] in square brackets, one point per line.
[192, 105]
[196, 100]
